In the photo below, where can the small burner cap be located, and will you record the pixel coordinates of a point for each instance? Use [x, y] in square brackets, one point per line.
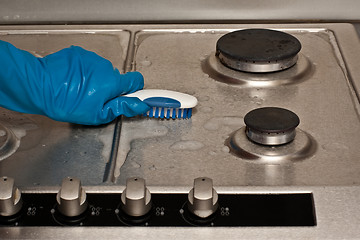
[271, 125]
[258, 50]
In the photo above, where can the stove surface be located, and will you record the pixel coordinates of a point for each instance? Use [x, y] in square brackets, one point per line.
[322, 89]
[317, 89]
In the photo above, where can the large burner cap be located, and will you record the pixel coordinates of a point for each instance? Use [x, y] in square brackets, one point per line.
[258, 50]
[271, 125]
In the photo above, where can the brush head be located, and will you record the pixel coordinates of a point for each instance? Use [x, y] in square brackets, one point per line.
[169, 113]
[166, 104]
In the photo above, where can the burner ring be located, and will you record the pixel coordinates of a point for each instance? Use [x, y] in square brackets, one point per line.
[302, 147]
[271, 125]
[270, 139]
[9, 143]
[258, 67]
[300, 72]
[258, 50]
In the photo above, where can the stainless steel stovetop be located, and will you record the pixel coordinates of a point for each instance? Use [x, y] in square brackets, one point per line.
[322, 89]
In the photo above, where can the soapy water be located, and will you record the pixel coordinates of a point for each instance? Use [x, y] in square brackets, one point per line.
[214, 124]
[189, 145]
[106, 140]
[136, 128]
[147, 135]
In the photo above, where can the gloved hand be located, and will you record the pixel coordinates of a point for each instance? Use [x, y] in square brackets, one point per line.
[72, 85]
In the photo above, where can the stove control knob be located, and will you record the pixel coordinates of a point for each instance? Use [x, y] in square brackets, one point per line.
[136, 198]
[203, 199]
[71, 198]
[10, 197]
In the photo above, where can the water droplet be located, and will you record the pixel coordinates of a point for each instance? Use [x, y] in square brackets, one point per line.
[145, 63]
[212, 153]
[229, 121]
[225, 149]
[135, 164]
[211, 125]
[187, 145]
[202, 58]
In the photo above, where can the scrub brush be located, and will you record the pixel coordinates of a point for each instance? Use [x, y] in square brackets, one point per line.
[166, 104]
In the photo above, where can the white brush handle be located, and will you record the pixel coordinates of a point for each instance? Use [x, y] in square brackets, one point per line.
[185, 100]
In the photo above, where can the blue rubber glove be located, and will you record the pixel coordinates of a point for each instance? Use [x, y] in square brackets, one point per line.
[72, 85]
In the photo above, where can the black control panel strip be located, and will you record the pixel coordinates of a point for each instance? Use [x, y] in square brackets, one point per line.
[171, 210]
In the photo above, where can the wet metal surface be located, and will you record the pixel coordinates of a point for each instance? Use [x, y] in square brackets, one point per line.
[172, 59]
[48, 150]
[322, 89]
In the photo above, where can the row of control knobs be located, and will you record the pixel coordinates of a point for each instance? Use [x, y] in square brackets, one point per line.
[135, 199]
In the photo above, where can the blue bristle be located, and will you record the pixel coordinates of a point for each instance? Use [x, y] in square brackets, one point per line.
[160, 112]
[189, 112]
[185, 113]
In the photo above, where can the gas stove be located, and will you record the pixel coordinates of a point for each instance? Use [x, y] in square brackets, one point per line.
[270, 151]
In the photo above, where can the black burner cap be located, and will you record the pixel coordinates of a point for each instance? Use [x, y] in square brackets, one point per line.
[259, 45]
[271, 120]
